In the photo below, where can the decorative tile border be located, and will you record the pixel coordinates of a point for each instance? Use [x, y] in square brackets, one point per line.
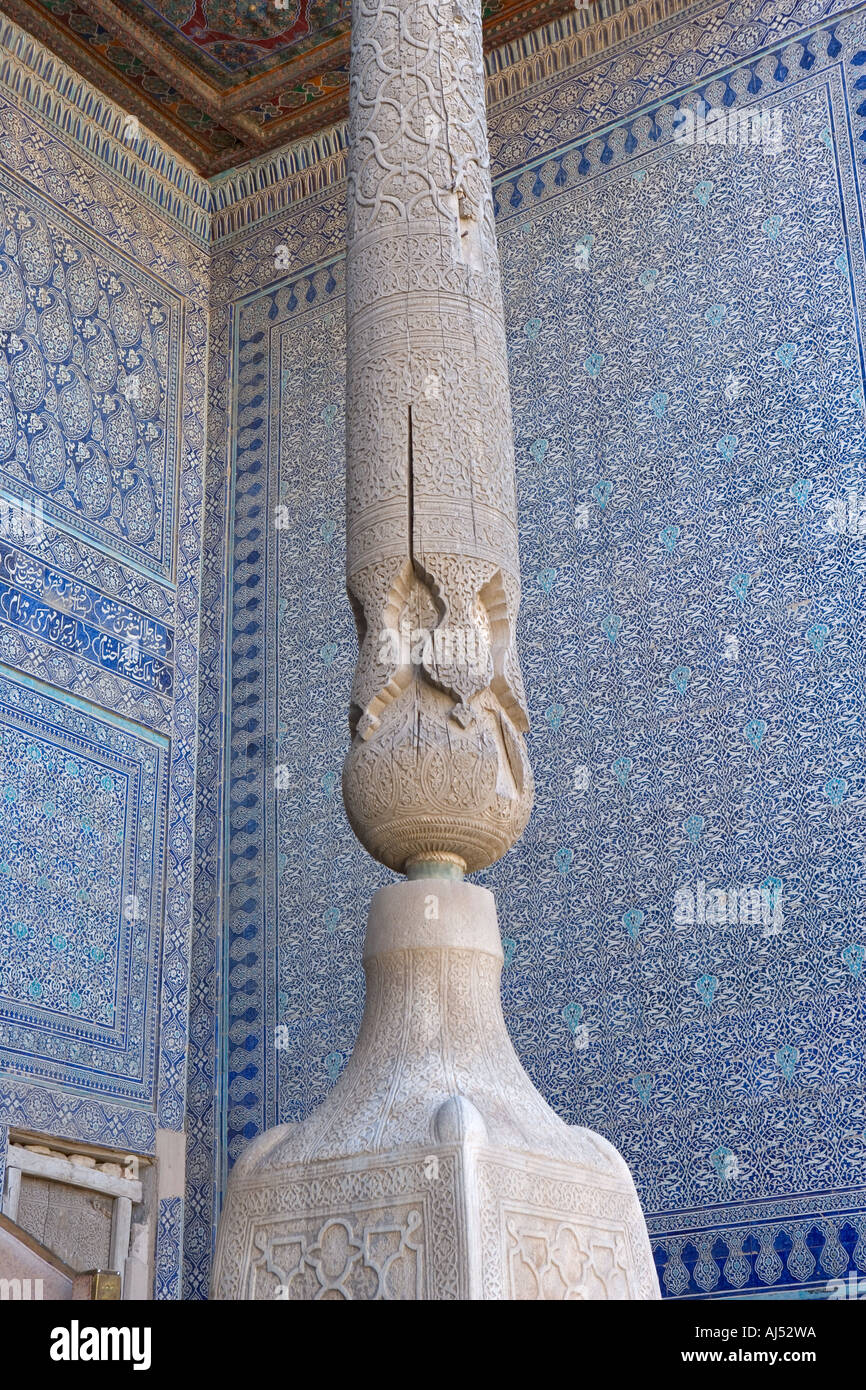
[796, 1247]
[167, 1251]
[86, 1120]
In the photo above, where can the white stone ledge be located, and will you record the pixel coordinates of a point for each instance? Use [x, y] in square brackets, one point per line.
[61, 1170]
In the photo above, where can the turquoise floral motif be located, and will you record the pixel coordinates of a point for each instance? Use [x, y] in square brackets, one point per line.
[786, 353]
[333, 1063]
[643, 1084]
[706, 987]
[702, 192]
[594, 363]
[509, 946]
[727, 446]
[328, 652]
[563, 859]
[658, 403]
[282, 860]
[669, 535]
[610, 626]
[621, 768]
[772, 226]
[547, 579]
[331, 917]
[724, 1162]
[573, 1014]
[327, 531]
[836, 789]
[694, 828]
[601, 491]
[532, 328]
[754, 731]
[648, 277]
[740, 584]
[715, 315]
[853, 955]
[787, 1058]
[281, 610]
[771, 891]
[680, 677]
[856, 397]
[554, 715]
[329, 414]
[633, 920]
[282, 1001]
[538, 449]
[817, 636]
[801, 491]
[638, 176]
[328, 783]
[841, 263]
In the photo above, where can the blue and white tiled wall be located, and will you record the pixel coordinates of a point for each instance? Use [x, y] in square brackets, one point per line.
[685, 347]
[687, 377]
[103, 327]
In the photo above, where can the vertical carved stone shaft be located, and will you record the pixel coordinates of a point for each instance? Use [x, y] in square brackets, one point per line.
[437, 769]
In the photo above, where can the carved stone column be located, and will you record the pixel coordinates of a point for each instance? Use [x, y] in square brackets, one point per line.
[437, 769]
[433, 1170]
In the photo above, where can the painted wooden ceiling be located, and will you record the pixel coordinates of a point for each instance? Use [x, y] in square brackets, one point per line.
[222, 81]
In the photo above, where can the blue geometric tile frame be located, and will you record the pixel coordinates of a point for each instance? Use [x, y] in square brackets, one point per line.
[82, 827]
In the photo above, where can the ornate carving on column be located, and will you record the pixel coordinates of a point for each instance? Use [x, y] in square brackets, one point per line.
[437, 766]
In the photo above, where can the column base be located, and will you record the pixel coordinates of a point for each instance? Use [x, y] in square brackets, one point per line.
[434, 1169]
